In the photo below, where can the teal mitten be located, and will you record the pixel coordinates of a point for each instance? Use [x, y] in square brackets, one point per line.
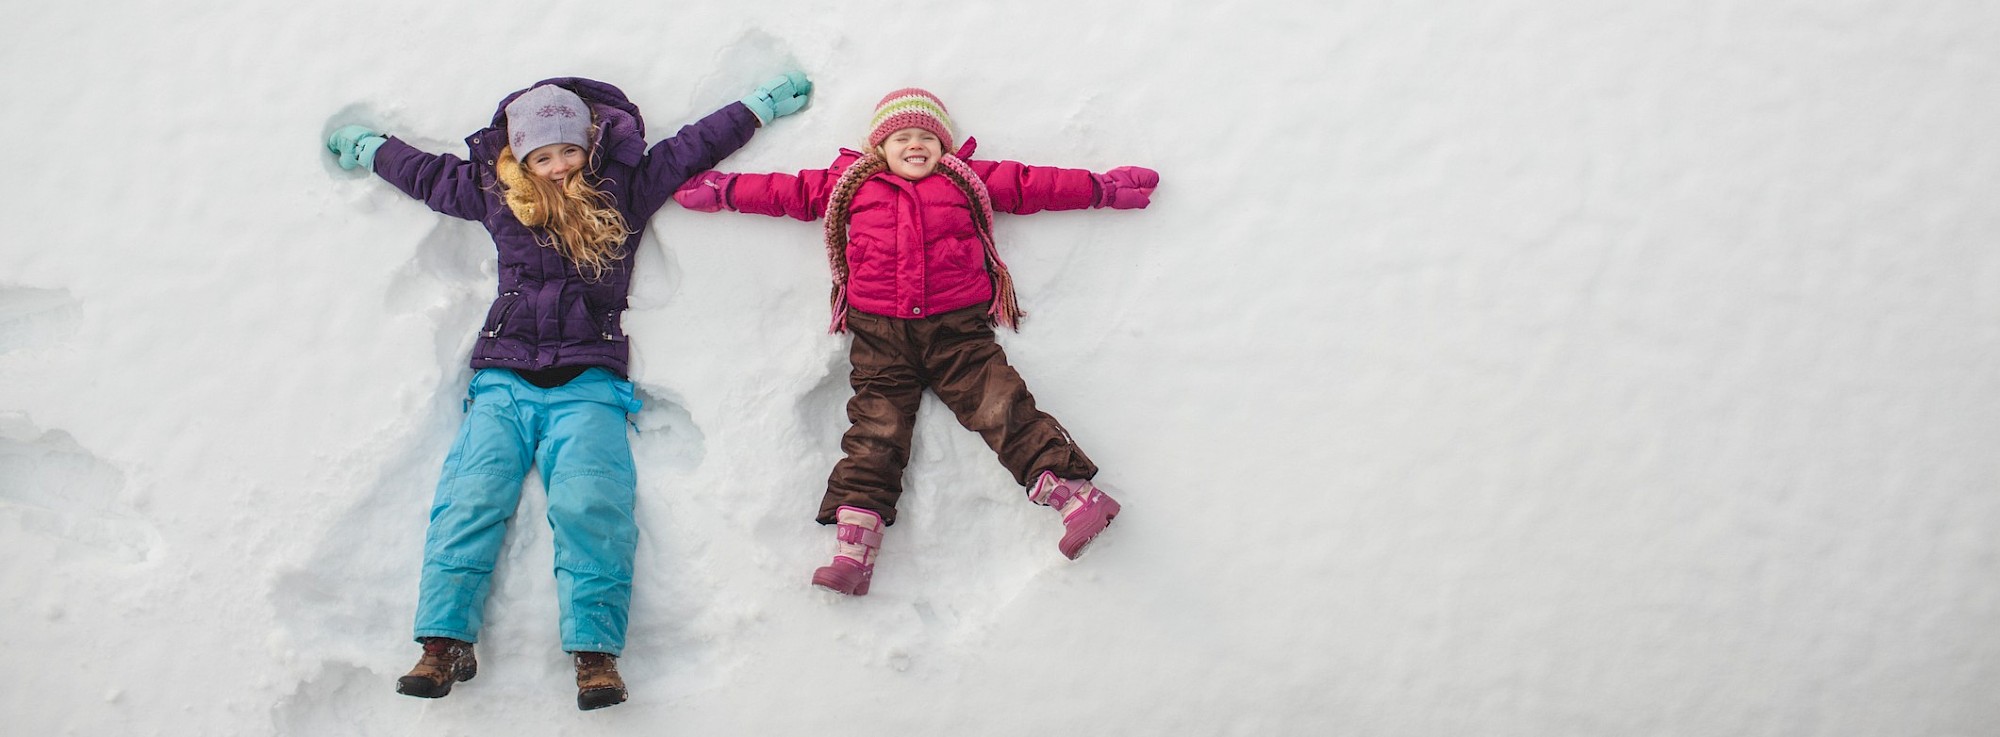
[355, 144]
[781, 96]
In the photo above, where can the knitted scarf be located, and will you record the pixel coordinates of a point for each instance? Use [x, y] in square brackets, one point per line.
[1006, 309]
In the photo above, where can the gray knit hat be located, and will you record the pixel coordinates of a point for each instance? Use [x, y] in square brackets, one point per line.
[544, 115]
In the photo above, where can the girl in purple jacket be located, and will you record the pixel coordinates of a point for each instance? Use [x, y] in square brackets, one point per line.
[917, 281]
[564, 182]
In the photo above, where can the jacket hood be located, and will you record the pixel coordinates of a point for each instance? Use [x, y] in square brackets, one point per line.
[622, 132]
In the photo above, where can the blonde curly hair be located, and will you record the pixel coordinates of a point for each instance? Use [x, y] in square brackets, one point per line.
[583, 223]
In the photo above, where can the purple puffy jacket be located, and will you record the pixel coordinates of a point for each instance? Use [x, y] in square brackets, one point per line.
[545, 315]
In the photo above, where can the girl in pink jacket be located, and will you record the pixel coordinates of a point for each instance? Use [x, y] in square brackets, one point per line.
[917, 281]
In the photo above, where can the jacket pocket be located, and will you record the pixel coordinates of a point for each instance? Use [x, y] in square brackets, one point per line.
[964, 255]
[862, 249]
[496, 316]
[609, 326]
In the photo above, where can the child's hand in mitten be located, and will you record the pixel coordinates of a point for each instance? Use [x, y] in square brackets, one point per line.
[355, 144]
[706, 192]
[781, 96]
[1126, 188]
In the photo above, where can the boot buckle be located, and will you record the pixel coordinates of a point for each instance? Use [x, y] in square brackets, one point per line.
[856, 534]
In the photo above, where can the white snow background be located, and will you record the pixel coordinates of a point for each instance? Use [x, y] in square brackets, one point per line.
[1481, 368]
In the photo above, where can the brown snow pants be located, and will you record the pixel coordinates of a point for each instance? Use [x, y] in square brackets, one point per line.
[954, 356]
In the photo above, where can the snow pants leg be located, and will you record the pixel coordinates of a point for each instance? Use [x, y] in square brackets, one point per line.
[586, 463]
[575, 434]
[954, 354]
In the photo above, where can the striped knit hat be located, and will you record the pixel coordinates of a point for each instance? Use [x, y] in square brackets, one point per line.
[910, 108]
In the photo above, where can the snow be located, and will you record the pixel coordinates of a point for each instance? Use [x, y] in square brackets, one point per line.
[1511, 368]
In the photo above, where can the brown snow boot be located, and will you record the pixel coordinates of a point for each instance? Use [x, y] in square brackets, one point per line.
[445, 661]
[597, 681]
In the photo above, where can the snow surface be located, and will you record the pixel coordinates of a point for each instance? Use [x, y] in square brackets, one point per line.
[1504, 368]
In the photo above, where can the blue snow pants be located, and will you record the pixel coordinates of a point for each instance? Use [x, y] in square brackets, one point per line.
[575, 435]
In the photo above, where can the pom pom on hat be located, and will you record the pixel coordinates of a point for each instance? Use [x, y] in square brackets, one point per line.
[910, 108]
[544, 115]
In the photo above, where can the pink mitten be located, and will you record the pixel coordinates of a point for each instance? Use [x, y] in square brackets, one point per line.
[706, 192]
[1127, 187]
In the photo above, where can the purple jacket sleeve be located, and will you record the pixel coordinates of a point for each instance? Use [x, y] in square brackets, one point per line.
[697, 147]
[1021, 189]
[446, 183]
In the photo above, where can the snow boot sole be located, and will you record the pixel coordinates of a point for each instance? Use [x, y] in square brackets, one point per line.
[844, 576]
[425, 687]
[1086, 529]
[598, 698]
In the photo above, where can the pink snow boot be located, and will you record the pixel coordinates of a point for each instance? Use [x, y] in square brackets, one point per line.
[857, 535]
[1086, 509]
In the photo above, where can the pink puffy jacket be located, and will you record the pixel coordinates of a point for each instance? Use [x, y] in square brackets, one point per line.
[911, 247]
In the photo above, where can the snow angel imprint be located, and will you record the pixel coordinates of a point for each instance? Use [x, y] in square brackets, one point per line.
[564, 182]
[919, 284]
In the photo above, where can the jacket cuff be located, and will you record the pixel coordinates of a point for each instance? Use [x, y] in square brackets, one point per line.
[392, 151]
[741, 113]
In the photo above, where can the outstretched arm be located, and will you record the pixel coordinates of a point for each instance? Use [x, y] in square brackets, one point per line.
[802, 196]
[446, 183]
[1022, 189]
[698, 146]
[706, 142]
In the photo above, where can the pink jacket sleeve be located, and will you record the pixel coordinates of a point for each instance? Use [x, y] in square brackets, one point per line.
[801, 196]
[1022, 189]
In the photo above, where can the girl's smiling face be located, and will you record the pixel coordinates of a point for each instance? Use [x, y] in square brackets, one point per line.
[554, 161]
[912, 153]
